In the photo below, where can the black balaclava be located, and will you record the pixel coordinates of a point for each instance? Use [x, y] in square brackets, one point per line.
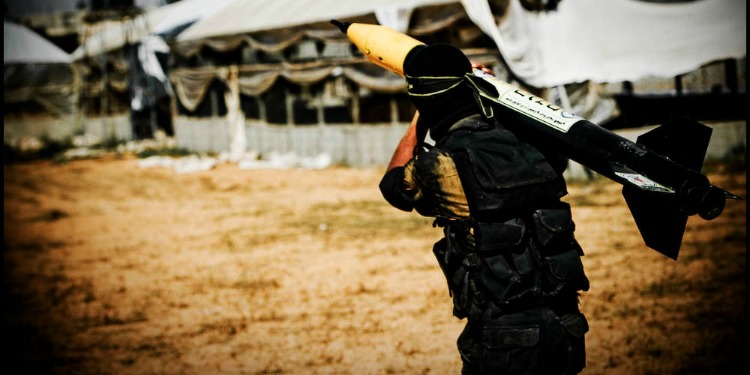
[440, 101]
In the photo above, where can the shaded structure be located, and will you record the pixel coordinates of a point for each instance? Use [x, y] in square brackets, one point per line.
[279, 78]
[40, 88]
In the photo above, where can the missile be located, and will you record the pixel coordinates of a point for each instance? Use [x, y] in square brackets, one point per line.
[660, 172]
[380, 44]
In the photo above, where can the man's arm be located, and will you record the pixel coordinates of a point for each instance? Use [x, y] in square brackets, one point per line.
[392, 185]
[406, 146]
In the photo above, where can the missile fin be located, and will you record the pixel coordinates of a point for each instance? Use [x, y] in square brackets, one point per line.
[658, 218]
[681, 139]
[629, 176]
[728, 195]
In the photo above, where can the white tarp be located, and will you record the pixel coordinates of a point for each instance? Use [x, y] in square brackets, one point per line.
[246, 16]
[187, 11]
[22, 46]
[36, 71]
[154, 21]
[614, 40]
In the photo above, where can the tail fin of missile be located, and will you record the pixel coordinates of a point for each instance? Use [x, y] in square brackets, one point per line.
[658, 216]
[681, 139]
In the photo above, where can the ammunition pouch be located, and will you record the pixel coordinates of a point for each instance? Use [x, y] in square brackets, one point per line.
[486, 262]
[575, 326]
[560, 254]
[552, 226]
[510, 268]
[493, 237]
[455, 256]
[513, 264]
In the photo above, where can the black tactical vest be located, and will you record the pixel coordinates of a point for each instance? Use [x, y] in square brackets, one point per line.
[518, 250]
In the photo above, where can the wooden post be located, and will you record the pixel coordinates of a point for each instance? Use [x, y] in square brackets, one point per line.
[355, 104]
[394, 111]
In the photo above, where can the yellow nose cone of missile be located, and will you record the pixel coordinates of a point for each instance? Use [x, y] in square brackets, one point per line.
[380, 44]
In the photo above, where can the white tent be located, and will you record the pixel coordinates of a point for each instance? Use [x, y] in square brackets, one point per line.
[154, 21]
[615, 40]
[293, 40]
[589, 41]
[135, 74]
[21, 45]
[246, 16]
[39, 87]
[600, 41]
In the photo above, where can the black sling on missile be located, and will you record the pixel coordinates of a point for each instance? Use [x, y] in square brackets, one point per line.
[660, 172]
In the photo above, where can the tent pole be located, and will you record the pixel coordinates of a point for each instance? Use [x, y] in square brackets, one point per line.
[394, 111]
[104, 104]
[355, 104]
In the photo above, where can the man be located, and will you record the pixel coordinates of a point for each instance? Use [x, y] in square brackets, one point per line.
[509, 254]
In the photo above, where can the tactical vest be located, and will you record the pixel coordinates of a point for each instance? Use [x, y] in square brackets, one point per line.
[517, 250]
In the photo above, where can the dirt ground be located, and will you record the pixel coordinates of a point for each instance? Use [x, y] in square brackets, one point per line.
[109, 268]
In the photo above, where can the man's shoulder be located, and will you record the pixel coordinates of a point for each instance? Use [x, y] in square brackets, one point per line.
[472, 123]
[478, 134]
[432, 156]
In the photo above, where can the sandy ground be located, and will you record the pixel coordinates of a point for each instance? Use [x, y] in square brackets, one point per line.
[109, 268]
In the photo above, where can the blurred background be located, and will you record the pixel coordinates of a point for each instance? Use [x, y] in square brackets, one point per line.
[249, 79]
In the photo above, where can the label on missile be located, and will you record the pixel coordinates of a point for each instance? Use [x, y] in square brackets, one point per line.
[644, 182]
[532, 106]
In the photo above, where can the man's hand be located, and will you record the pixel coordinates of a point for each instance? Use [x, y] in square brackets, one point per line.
[482, 68]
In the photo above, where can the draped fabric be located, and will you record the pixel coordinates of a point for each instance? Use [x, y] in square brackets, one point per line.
[50, 85]
[254, 84]
[615, 40]
[35, 70]
[404, 17]
[416, 18]
[191, 84]
[388, 82]
[252, 16]
[275, 41]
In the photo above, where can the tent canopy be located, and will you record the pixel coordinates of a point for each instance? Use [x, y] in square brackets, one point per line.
[154, 21]
[35, 70]
[583, 40]
[246, 16]
[39, 87]
[614, 41]
[23, 46]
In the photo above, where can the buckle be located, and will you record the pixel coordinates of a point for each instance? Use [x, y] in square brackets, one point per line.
[472, 261]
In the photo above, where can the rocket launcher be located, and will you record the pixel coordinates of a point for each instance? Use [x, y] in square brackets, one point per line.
[660, 172]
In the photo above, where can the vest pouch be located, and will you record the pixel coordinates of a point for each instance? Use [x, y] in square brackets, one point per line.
[565, 271]
[499, 236]
[551, 225]
[440, 249]
[575, 326]
[510, 337]
[497, 277]
[524, 261]
[525, 342]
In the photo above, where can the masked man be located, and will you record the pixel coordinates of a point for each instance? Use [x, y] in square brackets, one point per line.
[509, 254]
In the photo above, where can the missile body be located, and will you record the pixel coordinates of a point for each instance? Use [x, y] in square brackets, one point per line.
[660, 172]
